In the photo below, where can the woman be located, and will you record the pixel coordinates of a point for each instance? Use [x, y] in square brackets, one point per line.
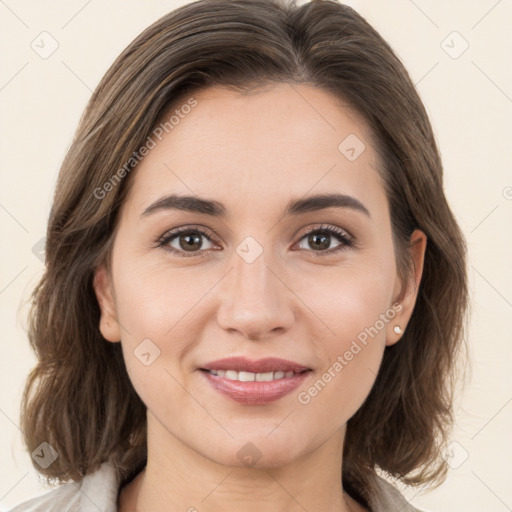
[255, 289]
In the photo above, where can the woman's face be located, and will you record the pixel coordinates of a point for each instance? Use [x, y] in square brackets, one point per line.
[260, 279]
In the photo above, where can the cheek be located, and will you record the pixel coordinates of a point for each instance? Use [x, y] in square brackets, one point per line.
[350, 299]
[158, 314]
[160, 327]
[353, 310]
[351, 360]
[156, 301]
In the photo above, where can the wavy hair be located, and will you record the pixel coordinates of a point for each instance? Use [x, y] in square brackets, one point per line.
[79, 397]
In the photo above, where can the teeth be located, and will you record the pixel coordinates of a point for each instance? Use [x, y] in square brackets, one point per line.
[250, 376]
[265, 376]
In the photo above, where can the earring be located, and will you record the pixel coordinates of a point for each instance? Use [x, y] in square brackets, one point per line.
[397, 329]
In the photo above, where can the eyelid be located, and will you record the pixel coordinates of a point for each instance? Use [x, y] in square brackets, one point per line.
[185, 229]
[324, 227]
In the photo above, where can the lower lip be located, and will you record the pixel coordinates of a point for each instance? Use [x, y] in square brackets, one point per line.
[255, 392]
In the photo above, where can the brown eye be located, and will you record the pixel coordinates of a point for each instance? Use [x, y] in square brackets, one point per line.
[320, 239]
[186, 240]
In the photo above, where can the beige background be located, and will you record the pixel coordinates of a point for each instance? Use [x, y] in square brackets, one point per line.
[469, 99]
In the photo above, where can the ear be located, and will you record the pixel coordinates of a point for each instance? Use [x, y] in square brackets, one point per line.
[102, 284]
[406, 293]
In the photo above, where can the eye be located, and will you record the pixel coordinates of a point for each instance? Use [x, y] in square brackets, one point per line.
[185, 240]
[321, 238]
[188, 241]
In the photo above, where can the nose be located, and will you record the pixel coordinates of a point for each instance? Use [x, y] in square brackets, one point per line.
[255, 300]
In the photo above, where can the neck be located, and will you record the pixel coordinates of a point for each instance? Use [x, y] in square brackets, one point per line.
[179, 478]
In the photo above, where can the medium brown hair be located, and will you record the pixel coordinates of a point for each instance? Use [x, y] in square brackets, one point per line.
[79, 397]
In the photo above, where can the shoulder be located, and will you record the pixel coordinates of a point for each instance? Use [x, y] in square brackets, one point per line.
[64, 498]
[96, 492]
[386, 497]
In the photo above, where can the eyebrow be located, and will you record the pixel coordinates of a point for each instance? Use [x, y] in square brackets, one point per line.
[215, 209]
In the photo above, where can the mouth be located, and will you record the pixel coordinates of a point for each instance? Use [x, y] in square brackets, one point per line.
[254, 382]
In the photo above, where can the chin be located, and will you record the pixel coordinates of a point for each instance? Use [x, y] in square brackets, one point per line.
[255, 452]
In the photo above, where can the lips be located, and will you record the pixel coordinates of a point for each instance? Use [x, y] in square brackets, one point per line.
[254, 382]
[268, 364]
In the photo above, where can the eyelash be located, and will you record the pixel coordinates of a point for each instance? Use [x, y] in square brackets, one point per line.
[342, 236]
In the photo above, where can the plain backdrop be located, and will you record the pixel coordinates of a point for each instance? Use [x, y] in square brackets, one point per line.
[458, 53]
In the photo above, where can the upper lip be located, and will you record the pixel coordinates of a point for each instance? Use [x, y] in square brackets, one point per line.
[242, 364]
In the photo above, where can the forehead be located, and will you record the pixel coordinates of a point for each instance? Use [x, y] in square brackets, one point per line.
[282, 140]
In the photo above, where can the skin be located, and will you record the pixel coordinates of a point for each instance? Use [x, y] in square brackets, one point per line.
[253, 154]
